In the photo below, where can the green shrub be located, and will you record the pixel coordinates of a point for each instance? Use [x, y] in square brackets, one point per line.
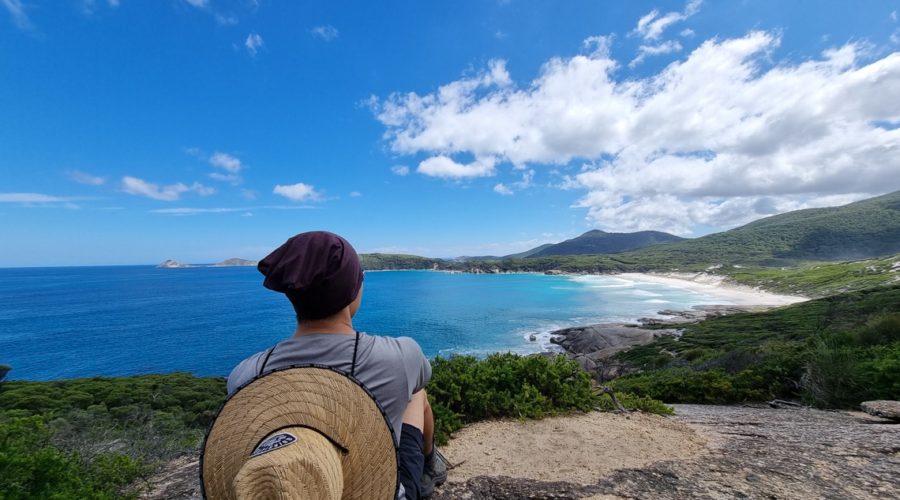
[883, 329]
[32, 468]
[464, 389]
[833, 376]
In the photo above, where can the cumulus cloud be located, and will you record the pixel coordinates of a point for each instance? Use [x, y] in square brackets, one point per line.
[652, 25]
[400, 170]
[503, 189]
[717, 138]
[86, 178]
[444, 167]
[17, 12]
[226, 162]
[297, 192]
[326, 32]
[203, 190]
[654, 50]
[253, 43]
[171, 192]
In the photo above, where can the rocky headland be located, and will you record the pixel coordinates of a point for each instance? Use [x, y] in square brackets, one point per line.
[593, 346]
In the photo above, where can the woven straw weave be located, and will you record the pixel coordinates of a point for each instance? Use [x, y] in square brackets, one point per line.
[315, 398]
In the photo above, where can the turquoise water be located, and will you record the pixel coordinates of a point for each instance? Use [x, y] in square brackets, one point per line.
[88, 321]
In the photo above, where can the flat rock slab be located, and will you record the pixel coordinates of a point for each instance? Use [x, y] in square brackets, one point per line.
[579, 448]
[752, 453]
[883, 409]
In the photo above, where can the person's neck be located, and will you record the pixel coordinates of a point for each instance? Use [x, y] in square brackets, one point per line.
[337, 325]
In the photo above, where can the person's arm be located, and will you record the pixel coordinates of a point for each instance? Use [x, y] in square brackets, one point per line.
[415, 364]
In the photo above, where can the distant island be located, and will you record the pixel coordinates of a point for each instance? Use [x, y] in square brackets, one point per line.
[172, 264]
[233, 262]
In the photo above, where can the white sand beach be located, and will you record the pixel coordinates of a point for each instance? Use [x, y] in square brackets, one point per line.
[716, 286]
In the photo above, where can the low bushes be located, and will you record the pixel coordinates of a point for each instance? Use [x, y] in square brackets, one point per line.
[831, 353]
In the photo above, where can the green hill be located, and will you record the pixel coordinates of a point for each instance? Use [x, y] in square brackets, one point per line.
[864, 229]
[600, 242]
[529, 253]
[832, 352]
[390, 261]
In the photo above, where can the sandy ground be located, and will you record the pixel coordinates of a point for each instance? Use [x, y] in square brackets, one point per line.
[716, 286]
[579, 449]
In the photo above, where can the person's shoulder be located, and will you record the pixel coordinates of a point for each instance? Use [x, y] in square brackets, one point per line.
[401, 346]
[244, 372]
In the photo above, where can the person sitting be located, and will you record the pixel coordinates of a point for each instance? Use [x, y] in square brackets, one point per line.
[321, 275]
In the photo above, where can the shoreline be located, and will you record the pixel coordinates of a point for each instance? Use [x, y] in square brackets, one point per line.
[717, 286]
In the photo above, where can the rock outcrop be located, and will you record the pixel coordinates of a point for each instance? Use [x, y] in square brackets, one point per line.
[883, 409]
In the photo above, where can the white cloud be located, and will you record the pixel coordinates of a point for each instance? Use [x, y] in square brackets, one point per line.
[501, 188]
[253, 43]
[895, 37]
[355, 194]
[30, 198]
[198, 3]
[654, 50]
[894, 16]
[202, 190]
[17, 11]
[133, 185]
[232, 179]
[297, 192]
[86, 178]
[195, 211]
[226, 162]
[400, 170]
[687, 33]
[652, 25]
[719, 137]
[444, 167]
[226, 19]
[326, 32]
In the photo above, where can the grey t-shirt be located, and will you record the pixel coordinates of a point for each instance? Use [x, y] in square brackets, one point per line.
[391, 368]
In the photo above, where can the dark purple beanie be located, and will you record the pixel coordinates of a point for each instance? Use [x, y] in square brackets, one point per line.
[318, 271]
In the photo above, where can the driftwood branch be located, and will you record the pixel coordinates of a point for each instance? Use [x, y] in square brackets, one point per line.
[606, 390]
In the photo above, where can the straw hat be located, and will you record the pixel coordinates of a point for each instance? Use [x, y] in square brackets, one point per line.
[300, 432]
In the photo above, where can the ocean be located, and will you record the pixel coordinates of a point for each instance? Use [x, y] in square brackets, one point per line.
[90, 321]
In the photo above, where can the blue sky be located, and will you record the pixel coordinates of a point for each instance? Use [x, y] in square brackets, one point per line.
[132, 132]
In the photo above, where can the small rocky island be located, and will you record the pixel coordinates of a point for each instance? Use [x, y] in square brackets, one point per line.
[172, 264]
[235, 262]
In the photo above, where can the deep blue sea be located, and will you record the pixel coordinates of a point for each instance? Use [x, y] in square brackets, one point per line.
[88, 321]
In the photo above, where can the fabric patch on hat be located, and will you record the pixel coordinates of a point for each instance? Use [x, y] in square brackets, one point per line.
[272, 443]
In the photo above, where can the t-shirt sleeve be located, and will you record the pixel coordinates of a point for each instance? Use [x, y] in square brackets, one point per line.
[243, 373]
[415, 364]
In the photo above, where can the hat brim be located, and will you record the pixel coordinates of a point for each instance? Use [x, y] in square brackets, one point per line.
[313, 396]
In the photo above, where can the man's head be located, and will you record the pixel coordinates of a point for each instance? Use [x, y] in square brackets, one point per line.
[318, 271]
